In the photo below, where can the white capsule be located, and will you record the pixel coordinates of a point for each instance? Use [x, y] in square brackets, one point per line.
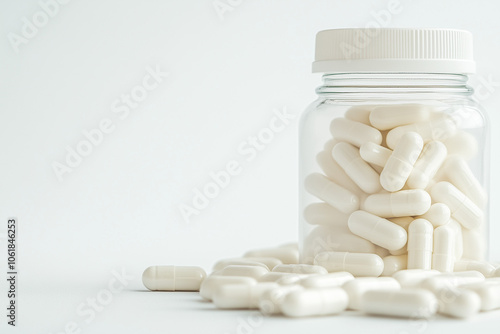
[443, 256]
[474, 245]
[483, 267]
[438, 214]
[354, 132]
[271, 300]
[462, 144]
[462, 208]
[292, 279]
[446, 281]
[458, 172]
[489, 294]
[358, 287]
[400, 164]
[330, 192]
[335, 173]
[436, 129]
[324, 239]
[358, 264]
[374, 154]
[300, 269]
[427, 165]
[378, 230]
[173, 278]
[241, 270]
[314, 302]
[359, 114]
[238, 262]
[420, 244]
[273, 276]
[325, 214]
[240, 296]
[390, 116]
[398, 204]
[285, 255]
[327, 281]
[211, 283]
[457, 303]
[347, 156]
[414, 303]
[393, 263]
[459, 244]
[411, 278]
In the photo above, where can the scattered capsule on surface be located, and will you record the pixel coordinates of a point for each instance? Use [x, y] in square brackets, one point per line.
[240, 296]
[408, 303]
[358, 287]
[314, 302]
[211, 283]
[358, 264]
[173, 278]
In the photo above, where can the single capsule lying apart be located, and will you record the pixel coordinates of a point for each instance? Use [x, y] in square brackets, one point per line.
[414, 303]
[173, 278]
[314, 302]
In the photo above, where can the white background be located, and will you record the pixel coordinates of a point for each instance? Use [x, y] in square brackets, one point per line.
[118, 210]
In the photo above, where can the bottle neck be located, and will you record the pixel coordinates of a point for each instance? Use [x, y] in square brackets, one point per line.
[380, 85]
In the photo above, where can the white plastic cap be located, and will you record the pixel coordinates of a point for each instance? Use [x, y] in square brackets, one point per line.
[394, 50]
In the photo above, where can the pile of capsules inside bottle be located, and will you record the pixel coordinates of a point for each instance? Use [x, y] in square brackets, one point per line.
[399, 229]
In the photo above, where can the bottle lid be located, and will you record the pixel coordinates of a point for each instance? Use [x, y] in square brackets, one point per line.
[394, 50]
